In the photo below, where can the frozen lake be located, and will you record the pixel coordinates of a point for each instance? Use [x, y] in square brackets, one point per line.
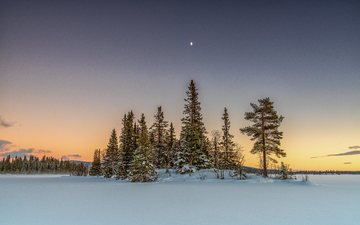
[64, 200]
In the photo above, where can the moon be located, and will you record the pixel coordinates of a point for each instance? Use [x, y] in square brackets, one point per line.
[191, 43]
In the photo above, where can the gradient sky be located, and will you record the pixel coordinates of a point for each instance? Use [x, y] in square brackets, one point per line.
[69, 71]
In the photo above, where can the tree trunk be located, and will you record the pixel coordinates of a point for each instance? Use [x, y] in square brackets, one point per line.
[265, 173]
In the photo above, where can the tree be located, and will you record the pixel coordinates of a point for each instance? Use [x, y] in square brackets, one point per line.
[216, 154]
[227, 145]
[78, 169]
[111, 156]
[159, 132]
[215, 149]
[170, 147]
[194, 143]
[95, 169]
[127, 144]
[239, 160]
[142, 168]
[264, 131]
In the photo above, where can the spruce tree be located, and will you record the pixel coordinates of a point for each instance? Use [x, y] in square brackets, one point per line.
[111, 156]
[264, 131]
[95, 169]
[135, 135]
[227, 145]
[142, 168]
[159, 132]
[127, 144]
[194, 143]
[170, 147]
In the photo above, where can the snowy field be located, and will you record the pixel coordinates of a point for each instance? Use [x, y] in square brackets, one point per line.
[64, 200]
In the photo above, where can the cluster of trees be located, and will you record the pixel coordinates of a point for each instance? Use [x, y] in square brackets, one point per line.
[35, 165]
[140, 150]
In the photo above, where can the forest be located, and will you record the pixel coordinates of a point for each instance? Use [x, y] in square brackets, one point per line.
[45, 165]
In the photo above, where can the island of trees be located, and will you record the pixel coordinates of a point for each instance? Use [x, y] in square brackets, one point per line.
[141, 149]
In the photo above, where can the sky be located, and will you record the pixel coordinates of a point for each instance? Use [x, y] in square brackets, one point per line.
[70, 70]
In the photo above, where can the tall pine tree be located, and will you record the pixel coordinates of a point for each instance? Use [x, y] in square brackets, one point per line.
[127, 144]
[170, 147]
[159, 132]
[227, 145]
[111, 156]
[142, 168]
[264, 131]
[194, 143]
[95, 169]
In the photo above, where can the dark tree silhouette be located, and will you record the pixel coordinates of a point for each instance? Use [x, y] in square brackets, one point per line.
[264, 131]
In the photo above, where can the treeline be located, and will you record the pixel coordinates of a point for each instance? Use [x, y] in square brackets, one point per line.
[325, 172]
[45, 165]
[139, 150]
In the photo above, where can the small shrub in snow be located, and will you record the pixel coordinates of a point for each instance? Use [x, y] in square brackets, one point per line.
[187, 169]
[219, 173]
[284, 172]
[202, 176]
[305, 178]
[239, 173]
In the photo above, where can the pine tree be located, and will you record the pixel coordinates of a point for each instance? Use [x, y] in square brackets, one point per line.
[159, 132]
[170, 147]
[111, 156]
[142, 168]
[95, 169]
[127, 144]
[135, 136]
[227, 145]
[264, 131]
[194, 143]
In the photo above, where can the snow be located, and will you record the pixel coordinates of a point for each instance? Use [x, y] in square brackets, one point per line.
[179, 200]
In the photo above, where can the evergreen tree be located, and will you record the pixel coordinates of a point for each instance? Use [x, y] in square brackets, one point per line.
[95, 169]
[142, 168]
[194, 144]
[111, 156]
[159, 132]
[127, 144]
[170, 147]
[227, 145]
[78, 169]
[135, 136]
[264, 131]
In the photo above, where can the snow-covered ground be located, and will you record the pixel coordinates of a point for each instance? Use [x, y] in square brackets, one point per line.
[64, 200]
